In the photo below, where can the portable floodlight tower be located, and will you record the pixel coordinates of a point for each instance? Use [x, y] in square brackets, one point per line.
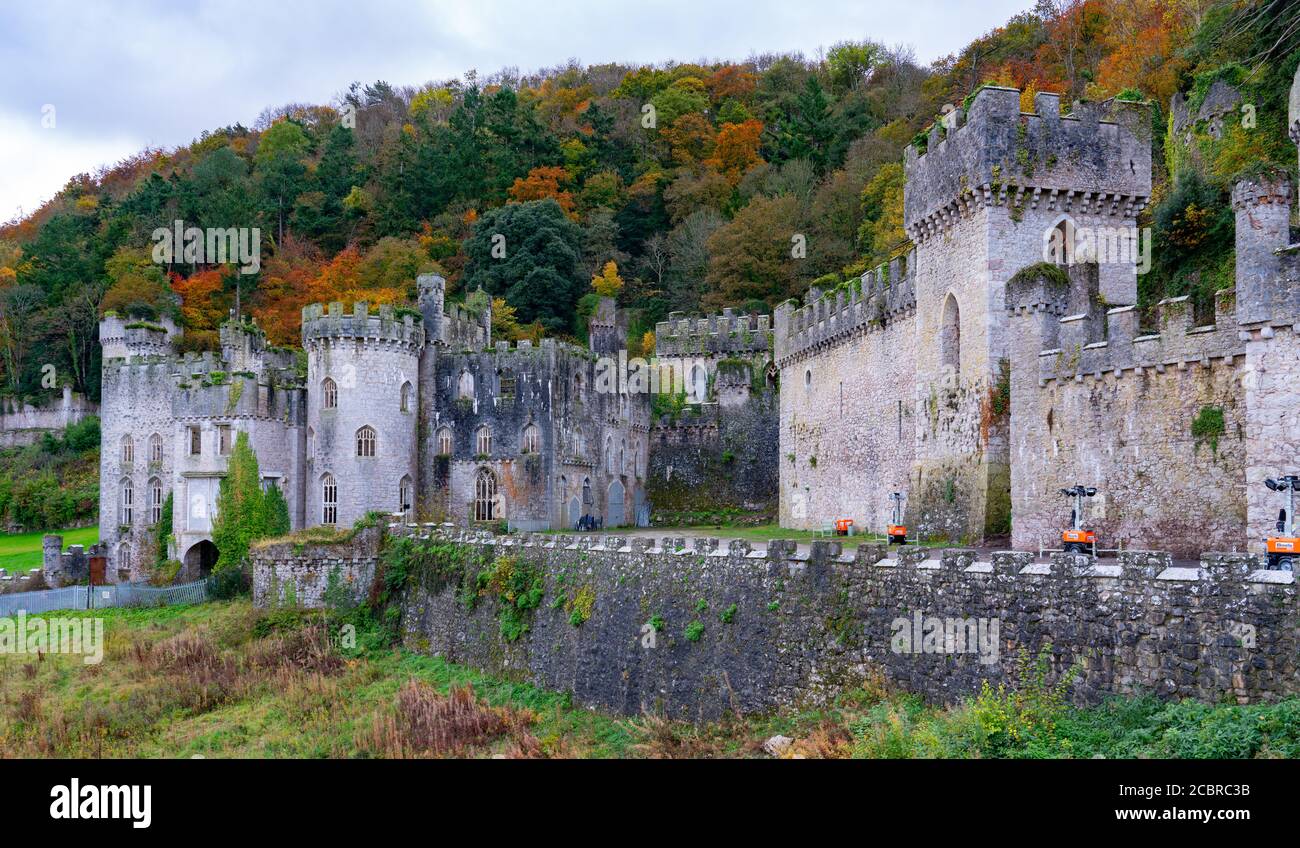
[897, 531]
[1284, 548]
[1076, 539]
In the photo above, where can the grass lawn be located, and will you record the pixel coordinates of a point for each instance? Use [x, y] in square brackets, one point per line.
[226, 680]
[22, 551]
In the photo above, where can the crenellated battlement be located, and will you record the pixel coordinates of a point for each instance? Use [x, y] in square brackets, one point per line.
[727, 334]
[127, 338]
[1096, 160]
[388, 326]
[1087, 347]
[881, 296]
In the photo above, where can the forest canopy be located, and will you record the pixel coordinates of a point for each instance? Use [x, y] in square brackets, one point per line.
[692, 179]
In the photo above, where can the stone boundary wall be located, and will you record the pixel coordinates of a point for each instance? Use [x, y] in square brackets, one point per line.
[706, 630]
[300, 572]
[22, 423]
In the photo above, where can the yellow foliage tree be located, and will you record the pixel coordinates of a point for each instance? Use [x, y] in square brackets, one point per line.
[608, 283]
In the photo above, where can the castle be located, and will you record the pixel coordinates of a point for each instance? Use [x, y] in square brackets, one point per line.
[978, 379]
[970, 374]
[397, 411]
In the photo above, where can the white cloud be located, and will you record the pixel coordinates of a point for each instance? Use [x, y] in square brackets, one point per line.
[156, 72]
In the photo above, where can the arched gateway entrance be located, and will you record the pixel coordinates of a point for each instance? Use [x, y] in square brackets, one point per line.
[200, 559]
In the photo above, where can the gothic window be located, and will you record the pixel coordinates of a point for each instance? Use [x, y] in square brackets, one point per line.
[1059, 249]
[466, 390]
[485, 494]
[404, 496]
[483, 441]
[950, 335]
[155, 500]
[128, 450]
[366, 441]
[406, 397]
[507, 386]
[155, 448]
[329, 490]
[444, 441]
[329, 394]
[609, 454]
[699, 387]
[196, 441]
[531, 440]
[126, 503]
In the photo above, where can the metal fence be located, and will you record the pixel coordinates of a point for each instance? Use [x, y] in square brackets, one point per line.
[103, 597]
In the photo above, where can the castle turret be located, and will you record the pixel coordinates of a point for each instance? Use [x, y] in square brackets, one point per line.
[124, 338]
[607, 328]
[432, 292]
[362, 412]
[1265, 288]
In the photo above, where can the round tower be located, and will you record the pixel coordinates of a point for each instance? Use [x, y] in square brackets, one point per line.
[1263, 210]
[362, 411]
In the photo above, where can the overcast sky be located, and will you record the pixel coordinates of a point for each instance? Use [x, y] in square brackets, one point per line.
[140, 74]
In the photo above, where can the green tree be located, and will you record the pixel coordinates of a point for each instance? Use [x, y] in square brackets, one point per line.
[241, 508]
[529, 254]
[277, 511]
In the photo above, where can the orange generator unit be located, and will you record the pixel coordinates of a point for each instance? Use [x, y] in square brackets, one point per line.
[1076, 539]
[1284, 548]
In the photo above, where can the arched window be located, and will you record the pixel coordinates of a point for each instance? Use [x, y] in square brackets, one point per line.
[444, 441]
[329, 394]
[485, 495]
[466, 390]
[586, 494]
[699, 387]
[622, 457]
[577, 388]
[126, 503]
[807, 378]
[155, 448]
[406, 397]
[950, 335]
[404, 496]
[532, 439]
[329, 500]
[366, 441]
[483, 441]
[155, 500]
[128, 450]
[1058, 246]
[311, 442]
[609, 454]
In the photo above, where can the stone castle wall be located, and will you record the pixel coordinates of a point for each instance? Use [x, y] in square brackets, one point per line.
[24, 423]
[703, 631]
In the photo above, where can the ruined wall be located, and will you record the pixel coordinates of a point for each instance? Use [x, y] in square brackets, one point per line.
[23, 423]
[699, 632]
[301, 574]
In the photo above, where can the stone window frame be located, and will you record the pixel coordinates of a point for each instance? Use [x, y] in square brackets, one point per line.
[126, 502]
[485, 495]
[406, 397]
[225, 439]
[329, 393]
[444, 441]
[155, 448]
[483, 440]
[367, 442]
[950, 333]
[405, 499]
[465, 385]
[155, 500]
[329, 499]
[196, 440]
[127, 450]
[531, 440]
[507, 386]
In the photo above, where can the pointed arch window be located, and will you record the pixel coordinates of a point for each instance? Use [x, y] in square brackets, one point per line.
[404, 496]
[485, 494]
[155, 448]
[128, 450]
[366, 441]
[483, 441]
[532, 439]
[155, 500]
[329, 500]
[444, 441]
[329, 394]
[126, 502]
[406, 397]
[950, 334]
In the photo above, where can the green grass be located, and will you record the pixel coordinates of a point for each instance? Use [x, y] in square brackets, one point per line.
[226, 680]
[22, 551]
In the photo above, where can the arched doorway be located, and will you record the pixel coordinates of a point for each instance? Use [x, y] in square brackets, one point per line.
[200, 559]
[616, 508]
